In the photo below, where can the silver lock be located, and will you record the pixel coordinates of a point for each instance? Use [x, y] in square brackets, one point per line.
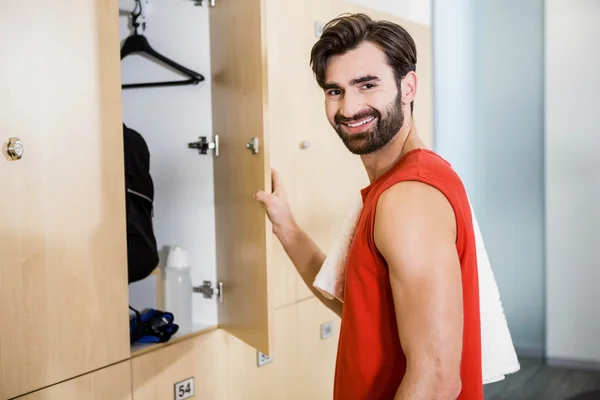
[305, 144]
[14, 148]
[253, 145]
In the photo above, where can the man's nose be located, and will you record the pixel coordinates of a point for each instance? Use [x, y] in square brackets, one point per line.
[351, 105]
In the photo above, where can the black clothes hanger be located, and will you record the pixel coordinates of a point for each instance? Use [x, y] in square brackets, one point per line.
[138, 43]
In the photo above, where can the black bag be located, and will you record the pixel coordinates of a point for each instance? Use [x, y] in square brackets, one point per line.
[151, 326]
[142, 251]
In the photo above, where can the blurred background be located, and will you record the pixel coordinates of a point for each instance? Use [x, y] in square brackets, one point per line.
[516, 90]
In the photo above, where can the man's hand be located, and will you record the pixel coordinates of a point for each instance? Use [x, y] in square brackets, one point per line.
[277, 205]
[415, 231]
[306, 256]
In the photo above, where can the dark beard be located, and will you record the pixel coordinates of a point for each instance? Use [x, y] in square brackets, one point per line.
[377, 137]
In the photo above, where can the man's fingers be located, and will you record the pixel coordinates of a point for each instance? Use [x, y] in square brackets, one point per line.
[277, 188]
[262, 196]
[276, 181]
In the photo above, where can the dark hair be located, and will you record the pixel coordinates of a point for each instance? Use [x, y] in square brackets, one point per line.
[348, 31]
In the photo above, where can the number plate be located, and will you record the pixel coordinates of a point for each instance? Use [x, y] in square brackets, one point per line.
[184, 389]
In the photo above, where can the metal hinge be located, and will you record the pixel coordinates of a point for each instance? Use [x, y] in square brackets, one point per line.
[199, 2]
[203, 145]
[208, 291]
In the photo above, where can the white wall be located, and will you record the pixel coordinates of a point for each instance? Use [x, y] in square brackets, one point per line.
[169, 118]
[414, 10]
[488, 105]
[573, 179]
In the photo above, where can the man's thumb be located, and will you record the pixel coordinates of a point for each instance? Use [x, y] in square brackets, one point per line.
[262, 196]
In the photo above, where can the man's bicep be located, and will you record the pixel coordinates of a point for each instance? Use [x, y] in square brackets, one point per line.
[415, 232]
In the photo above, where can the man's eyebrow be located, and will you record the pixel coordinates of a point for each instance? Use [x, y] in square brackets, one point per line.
[353, 82]
[363, 79]
[331, 85]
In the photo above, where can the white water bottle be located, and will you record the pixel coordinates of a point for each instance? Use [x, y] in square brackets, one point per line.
[178, 288]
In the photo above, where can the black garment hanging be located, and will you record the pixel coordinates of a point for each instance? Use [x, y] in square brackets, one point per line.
[142, 250]
[137, 43]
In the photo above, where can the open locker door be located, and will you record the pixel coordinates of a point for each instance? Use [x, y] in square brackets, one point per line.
[243, 231]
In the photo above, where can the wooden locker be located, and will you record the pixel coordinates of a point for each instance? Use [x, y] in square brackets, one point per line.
[109, 383]
[270, 379]
[318, 334]
[201, 359]
[63, 276]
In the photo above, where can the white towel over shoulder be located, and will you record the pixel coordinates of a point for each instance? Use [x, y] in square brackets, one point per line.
[499, 357]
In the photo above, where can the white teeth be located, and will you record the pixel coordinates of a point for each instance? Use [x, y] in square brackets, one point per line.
[365, 121]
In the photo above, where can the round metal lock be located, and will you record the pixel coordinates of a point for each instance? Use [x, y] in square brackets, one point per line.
[15, 148]
[305, 144]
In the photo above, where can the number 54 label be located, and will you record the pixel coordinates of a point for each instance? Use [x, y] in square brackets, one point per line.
[184, 389]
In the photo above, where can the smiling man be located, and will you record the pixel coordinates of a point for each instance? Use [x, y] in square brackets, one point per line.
[410, 317]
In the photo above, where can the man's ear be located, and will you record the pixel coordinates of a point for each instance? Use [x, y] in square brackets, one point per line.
[409, 87]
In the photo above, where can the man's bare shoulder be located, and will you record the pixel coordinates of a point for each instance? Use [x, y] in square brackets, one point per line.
[410, 215]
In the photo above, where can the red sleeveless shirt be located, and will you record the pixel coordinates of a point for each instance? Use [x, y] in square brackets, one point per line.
[370, 361]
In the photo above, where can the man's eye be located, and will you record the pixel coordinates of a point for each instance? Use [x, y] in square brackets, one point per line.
[334, 92]
[368, 86]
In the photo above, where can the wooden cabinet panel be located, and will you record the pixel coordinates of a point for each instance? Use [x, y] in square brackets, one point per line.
[321, 176]
[289, 79]
[275, 380]
[110, 383]
[302, 365]
[203, 357]
[243, 233]
[63, 275]
[316, 354]
[223, 366]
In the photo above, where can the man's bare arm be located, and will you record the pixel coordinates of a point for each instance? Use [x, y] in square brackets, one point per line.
[308, 258]
[415, 231]
[300, 248]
